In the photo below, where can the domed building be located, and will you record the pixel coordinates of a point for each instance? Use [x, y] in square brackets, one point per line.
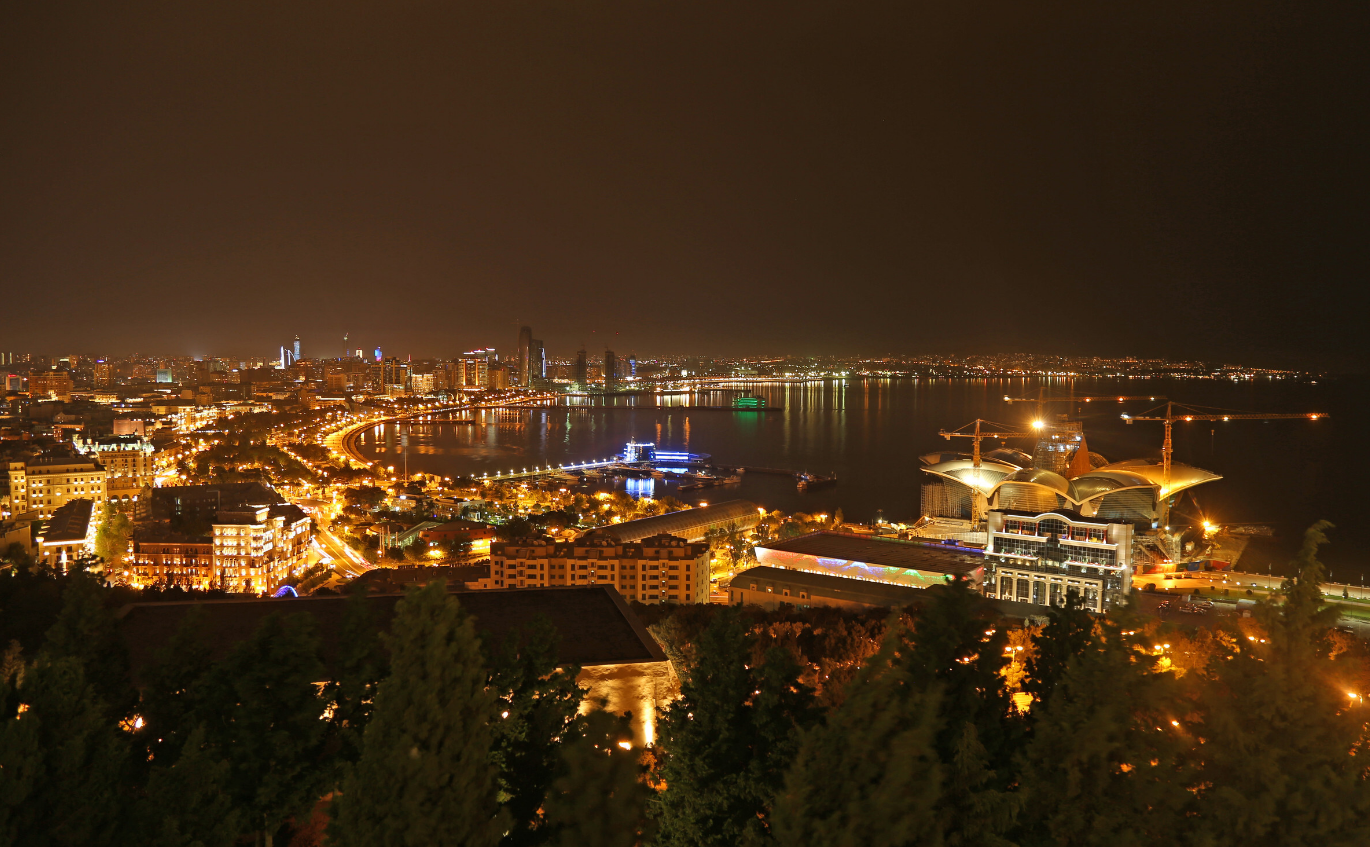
[1130, 490]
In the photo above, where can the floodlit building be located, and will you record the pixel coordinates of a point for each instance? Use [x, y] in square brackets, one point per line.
[68, 535]
[1041, 557]
[659, 569]
[1130, 490]
[913, 564]
[56, 384]
[128, 463]
[256, 548]
[159, 556]
[47, 483]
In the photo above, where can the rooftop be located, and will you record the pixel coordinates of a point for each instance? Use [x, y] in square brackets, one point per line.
[885, 552]
[595, 625]
[689, 524]
[71, 522]
[825, 585]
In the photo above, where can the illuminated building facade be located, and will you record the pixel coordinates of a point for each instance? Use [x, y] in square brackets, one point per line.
[44, 384]
[48, 483]
[256, 548]
[1040, 557]
[158, 556]
[659, 569]
[128, 463]
[68, 535]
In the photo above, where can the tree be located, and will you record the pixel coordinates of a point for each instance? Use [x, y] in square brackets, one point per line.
[726, 743]
[538, 703]
[61, 761]
[869, 777]
[185, 804]
[262, 711]
[112, 537]
[1278, 727]
[174, 689]
[89, 633]
[358, 668]
[600, 799]
[1106, 765]
[958, 648]
[1067, 634]
[425, 775]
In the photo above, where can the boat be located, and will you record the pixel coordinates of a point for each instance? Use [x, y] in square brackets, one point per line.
[805, 481]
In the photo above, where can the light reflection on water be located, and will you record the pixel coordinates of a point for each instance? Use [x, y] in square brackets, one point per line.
[872, 432]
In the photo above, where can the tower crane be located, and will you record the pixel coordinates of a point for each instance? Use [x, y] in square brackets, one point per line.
[1042, 399]
[1190, 413]
[978, 434]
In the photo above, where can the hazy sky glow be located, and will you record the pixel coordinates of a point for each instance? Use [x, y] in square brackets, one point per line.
[713, 177]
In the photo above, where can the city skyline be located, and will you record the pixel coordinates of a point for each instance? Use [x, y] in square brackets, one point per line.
[1185, 177]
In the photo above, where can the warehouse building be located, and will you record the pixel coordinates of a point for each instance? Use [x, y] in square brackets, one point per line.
[690, 524]
[912, 564]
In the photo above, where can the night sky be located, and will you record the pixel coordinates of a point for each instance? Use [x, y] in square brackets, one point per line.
[1184, 179]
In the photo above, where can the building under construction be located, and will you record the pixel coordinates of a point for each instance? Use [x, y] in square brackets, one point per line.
[1062, 476]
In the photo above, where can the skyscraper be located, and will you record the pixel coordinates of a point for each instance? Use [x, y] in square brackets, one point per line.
[525, 355]
[297, 348]
[538, 369]
[610, 370]
[582, 374]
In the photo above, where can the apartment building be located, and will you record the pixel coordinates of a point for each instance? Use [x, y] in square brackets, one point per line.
[48, 483]
[660, 569]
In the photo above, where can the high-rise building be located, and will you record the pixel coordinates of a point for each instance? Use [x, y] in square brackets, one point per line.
[104, 373]
[297, 348]
[395, 377]
[538, 370]
[473, 372]
[632, 366]
[582, 373]
[524, 362]
[43, 384]
[610, 370]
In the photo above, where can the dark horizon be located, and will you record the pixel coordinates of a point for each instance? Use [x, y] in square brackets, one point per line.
[1065, 178]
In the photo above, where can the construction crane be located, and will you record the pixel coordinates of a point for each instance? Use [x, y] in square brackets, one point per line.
[979, 434]
[1190, 413]
[1042, 399]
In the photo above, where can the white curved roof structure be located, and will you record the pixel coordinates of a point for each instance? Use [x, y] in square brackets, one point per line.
[985, 480]
[1181, 476]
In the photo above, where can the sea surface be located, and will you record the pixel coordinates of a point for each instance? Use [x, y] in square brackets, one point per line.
[870, 433]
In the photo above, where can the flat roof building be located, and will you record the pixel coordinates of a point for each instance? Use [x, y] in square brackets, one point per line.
[619, 661]
[660, 569]
[909, 563]
[47, 483]
[769, 587]
[689, 524]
